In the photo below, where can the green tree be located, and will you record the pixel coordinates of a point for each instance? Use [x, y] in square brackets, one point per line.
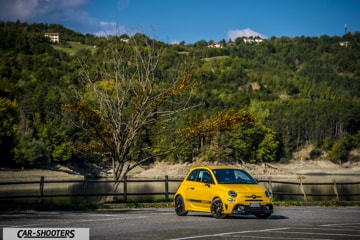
[30, 151]
[341, 148]
[55, 134]
[122, 102]
[8, 128]
[268, 148]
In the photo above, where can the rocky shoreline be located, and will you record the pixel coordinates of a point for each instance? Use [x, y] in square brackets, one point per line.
[294, 169]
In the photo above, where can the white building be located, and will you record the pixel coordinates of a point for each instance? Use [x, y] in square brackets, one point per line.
[215, 45]
[54, 37]
[256, 39]
[344, 44]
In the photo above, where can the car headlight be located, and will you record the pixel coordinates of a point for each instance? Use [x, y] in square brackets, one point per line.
[267, 193]
[232, 193]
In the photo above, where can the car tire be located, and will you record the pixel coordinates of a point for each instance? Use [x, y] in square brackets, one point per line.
[217, 209]
[263, 215]
[180, 206]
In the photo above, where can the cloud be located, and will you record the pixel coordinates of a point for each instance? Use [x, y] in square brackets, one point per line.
[106, 24]
[30, 10]
[111, 29]
[175, 42]
[13, 10]
[66, 12]
[247, 32]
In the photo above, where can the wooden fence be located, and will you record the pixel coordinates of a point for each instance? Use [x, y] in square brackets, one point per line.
[305, 195]
[125, 193]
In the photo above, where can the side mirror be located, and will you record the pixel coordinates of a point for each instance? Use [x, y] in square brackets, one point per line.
[208, 182]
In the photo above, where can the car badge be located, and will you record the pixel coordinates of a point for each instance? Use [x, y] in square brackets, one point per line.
[253, 196]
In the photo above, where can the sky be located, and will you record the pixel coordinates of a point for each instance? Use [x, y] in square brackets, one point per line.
[174, 21]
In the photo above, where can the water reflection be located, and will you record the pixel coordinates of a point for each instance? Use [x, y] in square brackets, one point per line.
[317, 188]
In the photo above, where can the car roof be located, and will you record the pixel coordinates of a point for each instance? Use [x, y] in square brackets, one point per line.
[213, 167]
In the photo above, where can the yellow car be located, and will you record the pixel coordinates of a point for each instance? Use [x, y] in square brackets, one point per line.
[222, 191]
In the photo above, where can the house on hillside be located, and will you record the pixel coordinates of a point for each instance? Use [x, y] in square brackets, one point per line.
[256, 39]
[344, 44]
[215, 45]
[54, 37]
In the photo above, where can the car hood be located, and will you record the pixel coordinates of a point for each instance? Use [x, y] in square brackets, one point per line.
[242, 188]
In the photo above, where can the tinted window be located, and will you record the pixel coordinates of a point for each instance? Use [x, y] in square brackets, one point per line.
[204, 176]
[192, 176]
[200, 175]
[233, 176]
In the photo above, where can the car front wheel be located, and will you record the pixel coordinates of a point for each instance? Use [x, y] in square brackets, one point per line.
[217, 209]
[180, 206]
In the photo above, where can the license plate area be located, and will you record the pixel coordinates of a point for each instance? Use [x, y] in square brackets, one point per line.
[255, 205]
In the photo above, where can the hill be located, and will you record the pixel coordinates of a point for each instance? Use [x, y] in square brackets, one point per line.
[72, 48]
[297, 92]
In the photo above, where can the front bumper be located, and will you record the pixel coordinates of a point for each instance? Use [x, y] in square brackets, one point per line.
[245, 210]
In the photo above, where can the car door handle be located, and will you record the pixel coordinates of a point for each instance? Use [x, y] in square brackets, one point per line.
[192, 188]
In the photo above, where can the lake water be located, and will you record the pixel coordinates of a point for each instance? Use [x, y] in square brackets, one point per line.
[318, 185]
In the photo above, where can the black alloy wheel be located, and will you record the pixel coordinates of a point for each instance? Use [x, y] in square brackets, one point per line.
[217, 209]
[180, 206]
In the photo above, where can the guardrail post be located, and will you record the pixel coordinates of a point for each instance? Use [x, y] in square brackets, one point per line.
[85, 189]
[41, 191]
[166, 187]
[302, 189]
[125, 189]
[270, 187]
[336, 191]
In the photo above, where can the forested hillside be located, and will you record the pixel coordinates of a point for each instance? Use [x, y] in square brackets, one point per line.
[250, 102]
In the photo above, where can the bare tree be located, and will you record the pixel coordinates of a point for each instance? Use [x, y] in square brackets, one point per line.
[123, 97]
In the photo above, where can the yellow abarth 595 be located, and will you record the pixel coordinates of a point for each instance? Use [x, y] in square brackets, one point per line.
[221, 191]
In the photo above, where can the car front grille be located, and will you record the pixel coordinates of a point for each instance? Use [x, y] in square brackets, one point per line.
[253, 198]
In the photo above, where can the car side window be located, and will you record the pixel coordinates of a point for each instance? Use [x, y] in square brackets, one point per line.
[204, 176]
[192, 176]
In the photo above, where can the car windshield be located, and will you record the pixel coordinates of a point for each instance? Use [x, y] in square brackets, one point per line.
[233, 176]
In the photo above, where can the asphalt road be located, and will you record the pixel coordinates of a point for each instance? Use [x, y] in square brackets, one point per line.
[163, 223]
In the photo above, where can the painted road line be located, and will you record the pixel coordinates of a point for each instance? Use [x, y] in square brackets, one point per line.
[228, 233]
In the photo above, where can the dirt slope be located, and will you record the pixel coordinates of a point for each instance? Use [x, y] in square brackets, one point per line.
[177, 171]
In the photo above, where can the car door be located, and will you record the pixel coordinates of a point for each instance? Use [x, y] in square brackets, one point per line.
[199, 191]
